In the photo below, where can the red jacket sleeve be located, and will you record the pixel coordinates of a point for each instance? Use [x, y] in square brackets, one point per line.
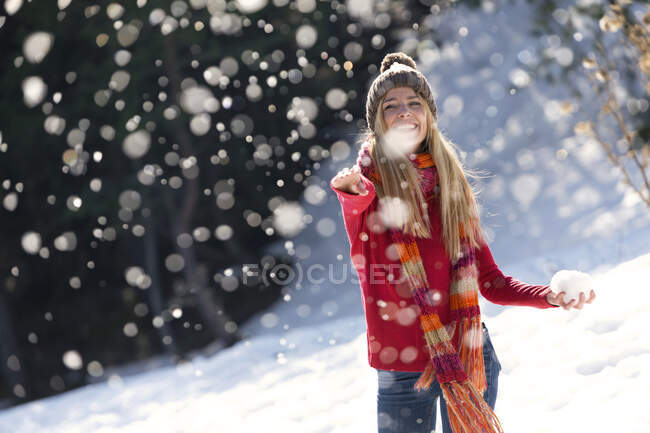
[505, 290]
[353, 206]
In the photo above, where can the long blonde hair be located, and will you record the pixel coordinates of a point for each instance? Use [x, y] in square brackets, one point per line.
[458, 205]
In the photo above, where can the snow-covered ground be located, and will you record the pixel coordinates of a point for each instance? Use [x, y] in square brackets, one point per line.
[304, 367]
[563, 371]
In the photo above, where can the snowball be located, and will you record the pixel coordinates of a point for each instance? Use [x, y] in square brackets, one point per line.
[572, 283]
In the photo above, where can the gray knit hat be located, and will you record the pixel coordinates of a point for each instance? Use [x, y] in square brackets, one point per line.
[397, 70]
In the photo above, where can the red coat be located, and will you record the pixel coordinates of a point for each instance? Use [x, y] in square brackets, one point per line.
[395, 339]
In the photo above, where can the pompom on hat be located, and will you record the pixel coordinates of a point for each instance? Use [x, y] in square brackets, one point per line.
[397, 70]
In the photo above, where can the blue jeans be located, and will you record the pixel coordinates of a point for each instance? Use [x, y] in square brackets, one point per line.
[402, 409]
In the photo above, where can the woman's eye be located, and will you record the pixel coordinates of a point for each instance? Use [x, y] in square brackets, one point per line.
[390, 107]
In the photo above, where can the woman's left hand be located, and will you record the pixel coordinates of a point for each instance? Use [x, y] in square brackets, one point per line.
[558, 299]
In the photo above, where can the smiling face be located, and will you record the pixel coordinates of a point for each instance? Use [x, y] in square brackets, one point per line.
[405, 119]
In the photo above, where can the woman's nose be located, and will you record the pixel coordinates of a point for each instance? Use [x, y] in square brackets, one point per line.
[403, 110]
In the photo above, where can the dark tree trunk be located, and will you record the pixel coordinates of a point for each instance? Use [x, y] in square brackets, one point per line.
[154, 293]
[209, 306]
[12, 373]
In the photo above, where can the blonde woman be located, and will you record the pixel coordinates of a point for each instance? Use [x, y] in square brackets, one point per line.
[416, 243]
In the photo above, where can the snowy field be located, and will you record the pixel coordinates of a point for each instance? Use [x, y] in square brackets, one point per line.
[566, 370]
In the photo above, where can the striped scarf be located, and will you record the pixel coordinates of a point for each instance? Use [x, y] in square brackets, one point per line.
[456, 350]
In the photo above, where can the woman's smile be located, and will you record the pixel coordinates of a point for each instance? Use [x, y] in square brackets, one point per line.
[406, 126]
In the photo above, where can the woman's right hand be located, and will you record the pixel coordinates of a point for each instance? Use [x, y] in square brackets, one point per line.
[349, 180]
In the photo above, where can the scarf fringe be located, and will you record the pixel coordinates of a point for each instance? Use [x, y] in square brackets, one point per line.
[467, 411]
[471, 351]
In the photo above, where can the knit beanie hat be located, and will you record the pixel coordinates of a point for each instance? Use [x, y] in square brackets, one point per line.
[397, 70]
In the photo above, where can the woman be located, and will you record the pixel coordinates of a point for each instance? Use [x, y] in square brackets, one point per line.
[418, 248]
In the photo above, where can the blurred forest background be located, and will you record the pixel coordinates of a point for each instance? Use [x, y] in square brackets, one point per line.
[150, 148]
